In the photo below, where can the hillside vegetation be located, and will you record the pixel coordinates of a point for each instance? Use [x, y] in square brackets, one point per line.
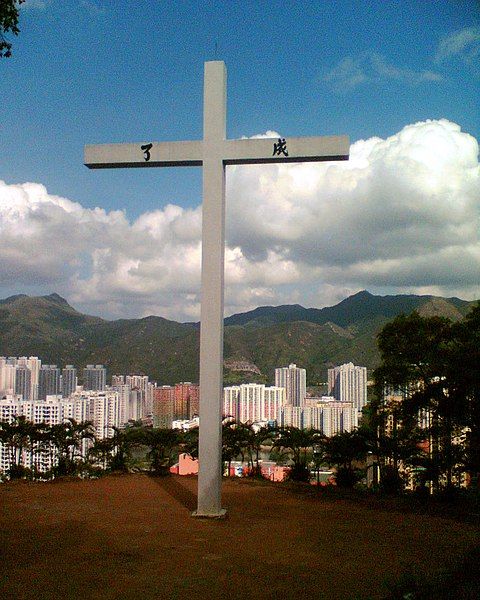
[167, 351]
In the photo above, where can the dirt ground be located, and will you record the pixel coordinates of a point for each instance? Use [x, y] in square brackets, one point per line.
[132, 537]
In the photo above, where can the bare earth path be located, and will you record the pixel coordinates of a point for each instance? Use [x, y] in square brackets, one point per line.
[132, 537]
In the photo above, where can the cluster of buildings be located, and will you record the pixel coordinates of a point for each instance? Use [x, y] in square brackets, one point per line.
[287, 403]
[46, 393]
[39, 390]
[175, 403]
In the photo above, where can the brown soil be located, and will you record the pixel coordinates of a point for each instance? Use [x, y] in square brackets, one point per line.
[132, 537]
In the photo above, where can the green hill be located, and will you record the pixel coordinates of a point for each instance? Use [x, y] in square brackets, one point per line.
[260, 340]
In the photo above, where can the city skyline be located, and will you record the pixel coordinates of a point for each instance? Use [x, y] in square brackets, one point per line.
[399, 218]
[137, 398]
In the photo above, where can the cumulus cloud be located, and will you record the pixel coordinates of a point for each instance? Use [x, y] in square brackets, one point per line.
[370, 67]
[401, 216]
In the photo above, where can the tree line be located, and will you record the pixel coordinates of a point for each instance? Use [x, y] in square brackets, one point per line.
[42, 452]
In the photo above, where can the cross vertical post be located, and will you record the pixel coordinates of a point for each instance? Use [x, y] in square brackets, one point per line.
[211, 321]
[214, 153]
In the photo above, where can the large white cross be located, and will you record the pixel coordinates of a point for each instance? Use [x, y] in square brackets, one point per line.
[213, 153]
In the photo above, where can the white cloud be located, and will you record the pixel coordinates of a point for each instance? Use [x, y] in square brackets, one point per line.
[464, 44]
[36, 5]
[402, 216]
[370, 67]
[93, 8]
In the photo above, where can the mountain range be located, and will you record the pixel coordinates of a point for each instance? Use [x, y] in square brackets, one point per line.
[256, 341]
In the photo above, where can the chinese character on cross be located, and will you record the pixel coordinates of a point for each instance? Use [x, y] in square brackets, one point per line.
[280, 147]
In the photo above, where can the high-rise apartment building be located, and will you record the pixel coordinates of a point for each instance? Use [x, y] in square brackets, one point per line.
[95, 378]
[291, 416]
[135, 405]
[348, 383]
[163, 406]
[136, 396]
[275, 399]
[124, 400]
[324, 414]
[102, 409]
[250, 402]
[186, 404]
[137, 381]
[294, 380]
[69, 380]
[330, 417]
[7, 375]
[48, 381]
[230, 401]
[118, 380]
[23, 382]
[253, 402]
[148, 409]
[34, 364]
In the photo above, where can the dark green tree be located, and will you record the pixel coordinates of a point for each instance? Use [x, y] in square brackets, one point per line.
[255, 441]
[189, 442]
[9, 10]
[67, 438]
[16, 438]
[163, 444]
[393, 439]
[464, 375]
[100, 454]
[422, 361]
[299, 444]
[122, 443]
[341, 451]
[234, 441]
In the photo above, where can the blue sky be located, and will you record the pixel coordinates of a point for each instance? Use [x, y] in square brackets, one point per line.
[98, 71]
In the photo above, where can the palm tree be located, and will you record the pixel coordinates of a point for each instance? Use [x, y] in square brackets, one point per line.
[163, 444]
[299, 444]
[254, 439]
[121, 444]
[45, 450]
[233, 441]
[6, 438]
[16, 437]
[100, 454]
[342, 450]
[36, 432]
[68, 438]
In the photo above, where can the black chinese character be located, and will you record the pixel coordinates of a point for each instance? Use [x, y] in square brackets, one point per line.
[146, 151]
[280, 147]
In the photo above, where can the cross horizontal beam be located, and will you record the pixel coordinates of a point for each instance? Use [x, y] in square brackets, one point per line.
[160, 154]
[297, 149]
[231, 152]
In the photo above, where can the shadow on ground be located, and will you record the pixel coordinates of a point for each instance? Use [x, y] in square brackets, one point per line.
[174, 488]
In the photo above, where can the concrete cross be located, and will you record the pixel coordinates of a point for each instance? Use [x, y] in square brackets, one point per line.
[213, 153]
